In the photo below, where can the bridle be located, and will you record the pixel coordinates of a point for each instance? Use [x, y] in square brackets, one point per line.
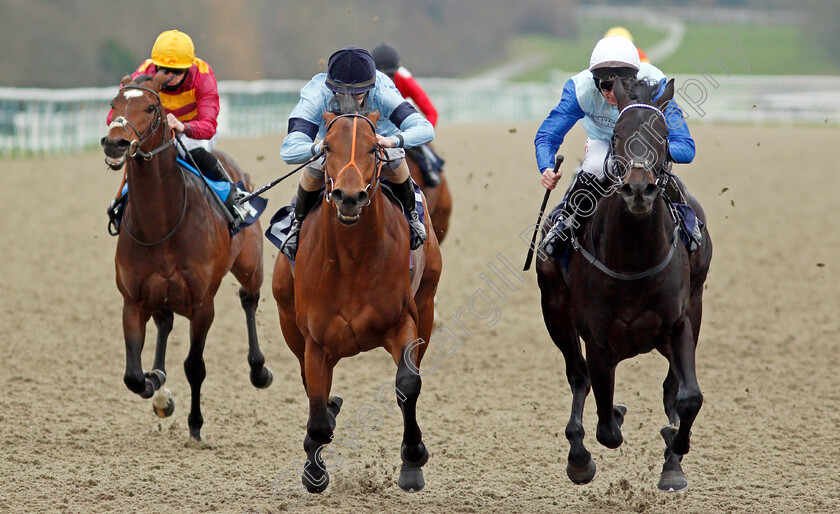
[136, 153]
[134, 150]
[661, 176]
[373, 186]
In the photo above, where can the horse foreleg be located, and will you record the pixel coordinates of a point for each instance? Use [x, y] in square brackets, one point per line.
[194, 363]
[689, 398]
[135, 318]
[322, 412]
[261, 375]
[407, 355]
[610, 417]
[162, 403]
[580, 466]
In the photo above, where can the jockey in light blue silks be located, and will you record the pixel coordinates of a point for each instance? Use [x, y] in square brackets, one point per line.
[588, 95]
[352, 71]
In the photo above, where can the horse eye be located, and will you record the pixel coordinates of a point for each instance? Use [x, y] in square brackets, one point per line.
[150, 108]
[112, 105]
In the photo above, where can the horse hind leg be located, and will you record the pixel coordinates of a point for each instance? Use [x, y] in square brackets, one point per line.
[261, 375]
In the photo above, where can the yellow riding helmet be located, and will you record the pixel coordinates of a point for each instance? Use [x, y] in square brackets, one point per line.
[173, 49]
[619, 31]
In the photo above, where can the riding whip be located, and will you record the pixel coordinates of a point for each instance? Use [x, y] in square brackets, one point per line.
[558, 160]
[277, 181]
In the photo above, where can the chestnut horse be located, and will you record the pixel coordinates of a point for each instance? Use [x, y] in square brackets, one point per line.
[438, 198]
[630, 288]
[351, 292]
[173, 249]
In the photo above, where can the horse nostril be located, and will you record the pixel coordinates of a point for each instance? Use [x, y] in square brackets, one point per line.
[337, 195]
[362, 198]
[650, 190]
[626, 190]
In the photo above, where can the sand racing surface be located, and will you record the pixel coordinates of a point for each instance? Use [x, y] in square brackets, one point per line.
[493, 410]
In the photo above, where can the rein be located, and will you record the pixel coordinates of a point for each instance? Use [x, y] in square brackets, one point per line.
[373, 186]
[136, 153]
[591, 259]
[664, 171]
[134, 150]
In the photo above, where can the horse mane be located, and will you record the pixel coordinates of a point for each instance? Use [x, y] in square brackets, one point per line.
[346, 104]
[641, 90]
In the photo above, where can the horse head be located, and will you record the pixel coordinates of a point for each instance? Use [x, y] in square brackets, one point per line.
[640, 143]
[352, 163]
[138, 127]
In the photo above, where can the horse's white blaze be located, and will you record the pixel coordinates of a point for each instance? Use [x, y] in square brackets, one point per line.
[162, 397]
[132, 93]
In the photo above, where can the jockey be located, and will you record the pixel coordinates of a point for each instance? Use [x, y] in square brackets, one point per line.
[621, 31]
[191, 101]
[352, 71]
[589, 96]
[388, 62]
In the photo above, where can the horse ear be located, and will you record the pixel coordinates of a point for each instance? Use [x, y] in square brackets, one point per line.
[666, 95]
[125, 80]
[620, 94]
[374, 117]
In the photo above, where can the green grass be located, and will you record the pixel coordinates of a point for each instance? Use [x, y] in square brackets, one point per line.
[573, 55]
[769, 49]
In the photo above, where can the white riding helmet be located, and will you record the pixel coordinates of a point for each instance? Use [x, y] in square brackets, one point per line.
[614, 52]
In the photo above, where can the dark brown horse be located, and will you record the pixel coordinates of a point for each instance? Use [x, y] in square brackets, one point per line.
[438, 198]
[351, 292]
[631, 288]
[173, 249]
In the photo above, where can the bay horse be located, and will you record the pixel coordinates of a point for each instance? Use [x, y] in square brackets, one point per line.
[173, 249]
[631, 288]
[351, 291]
[439, 199]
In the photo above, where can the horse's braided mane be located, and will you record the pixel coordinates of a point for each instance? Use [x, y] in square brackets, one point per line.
[142, 78]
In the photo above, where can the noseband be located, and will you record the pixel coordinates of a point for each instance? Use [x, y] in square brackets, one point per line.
[380, 159]
[134, 150]
[664, 170]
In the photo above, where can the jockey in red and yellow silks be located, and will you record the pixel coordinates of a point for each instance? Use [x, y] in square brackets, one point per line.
[191, 101]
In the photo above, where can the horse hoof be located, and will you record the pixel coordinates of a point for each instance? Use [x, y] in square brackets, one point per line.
[167, 409]
[315, 486]
[411, 479]
[334, 405]
[619, 411]
[672, 481]
[264, 379]
[581, 474]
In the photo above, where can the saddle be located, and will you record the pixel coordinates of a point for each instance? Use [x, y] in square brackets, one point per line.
[222, 189]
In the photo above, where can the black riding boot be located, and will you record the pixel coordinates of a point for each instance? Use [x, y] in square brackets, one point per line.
[586, 191]
[306, 201]
[212, 168]
[405, 194]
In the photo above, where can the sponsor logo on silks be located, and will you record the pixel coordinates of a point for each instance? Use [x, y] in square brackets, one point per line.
[604, 121]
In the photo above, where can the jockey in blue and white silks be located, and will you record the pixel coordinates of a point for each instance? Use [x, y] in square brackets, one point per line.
[588, 96]
[352, 71]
